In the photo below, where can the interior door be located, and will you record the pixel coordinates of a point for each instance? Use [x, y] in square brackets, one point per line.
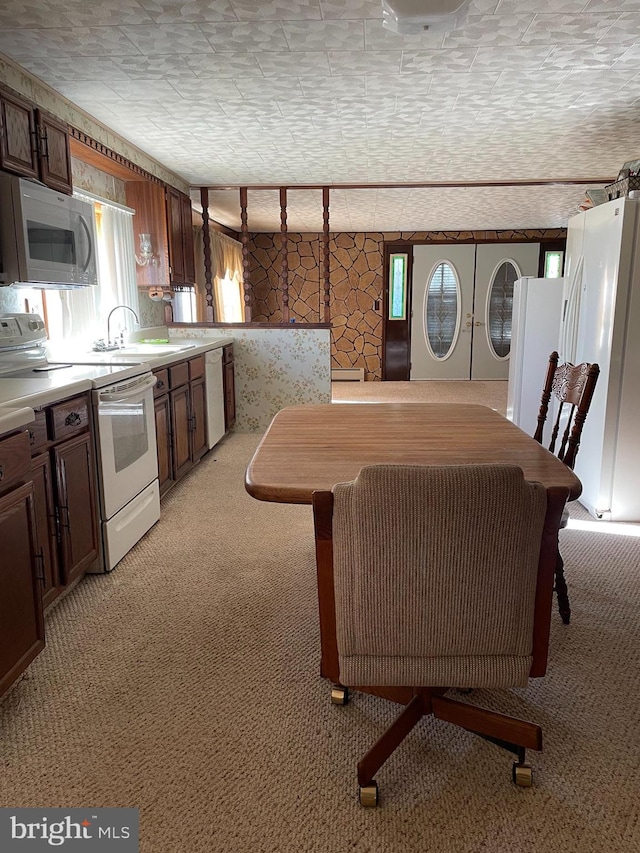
[442, 305]
[498, 266]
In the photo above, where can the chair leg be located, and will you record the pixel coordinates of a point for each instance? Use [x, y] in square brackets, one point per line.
[369, 765]
[561, 590]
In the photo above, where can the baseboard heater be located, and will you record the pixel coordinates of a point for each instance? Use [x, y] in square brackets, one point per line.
[347, 374]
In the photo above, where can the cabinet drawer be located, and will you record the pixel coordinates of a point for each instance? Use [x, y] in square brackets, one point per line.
[69, 418]
[178, 374]
[196, 367]
[38, 432]
[15, 459]
[227, 353]
[162, 385]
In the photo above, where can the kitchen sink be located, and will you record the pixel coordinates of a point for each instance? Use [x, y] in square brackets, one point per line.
[150, 349]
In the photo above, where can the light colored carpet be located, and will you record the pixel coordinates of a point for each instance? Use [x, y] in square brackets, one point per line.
[186, 683]
[492, 394]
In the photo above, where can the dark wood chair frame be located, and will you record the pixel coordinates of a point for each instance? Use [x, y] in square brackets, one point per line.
[509, 733]
[572, 385]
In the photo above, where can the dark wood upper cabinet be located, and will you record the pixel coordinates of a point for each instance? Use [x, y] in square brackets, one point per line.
[181, 253]
[18, 148]
[54, 153]
[176, 239]
[33, 143]
[187, 229]
[150, 217]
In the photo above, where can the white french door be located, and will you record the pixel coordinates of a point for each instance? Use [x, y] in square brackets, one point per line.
[461, 308]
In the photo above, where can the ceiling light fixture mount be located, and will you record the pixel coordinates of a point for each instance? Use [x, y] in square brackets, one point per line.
[412, 17]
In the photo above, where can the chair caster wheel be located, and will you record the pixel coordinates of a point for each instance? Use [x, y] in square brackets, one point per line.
[522, 775]
[339, 695]
[368, 795]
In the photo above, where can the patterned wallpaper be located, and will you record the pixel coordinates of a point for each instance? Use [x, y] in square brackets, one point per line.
[93, 180]
[356, 276]
[274, 368]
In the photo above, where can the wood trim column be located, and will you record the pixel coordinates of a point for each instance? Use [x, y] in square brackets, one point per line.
[284, 274]
[206, 245]
[244, 237]
[326, 255]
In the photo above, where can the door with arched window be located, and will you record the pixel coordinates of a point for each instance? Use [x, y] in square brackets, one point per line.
[462, 299]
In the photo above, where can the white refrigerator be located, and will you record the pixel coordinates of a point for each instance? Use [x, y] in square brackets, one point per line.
[601, 323]
[535, 330]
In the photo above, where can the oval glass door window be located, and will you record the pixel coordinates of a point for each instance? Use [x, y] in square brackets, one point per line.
[500, 308]
[442, 311]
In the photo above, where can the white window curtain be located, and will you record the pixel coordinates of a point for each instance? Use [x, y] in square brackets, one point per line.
[226, 271]
[80, 316]
[116, 266]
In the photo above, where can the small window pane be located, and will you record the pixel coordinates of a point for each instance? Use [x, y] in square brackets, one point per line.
[441, 310]
[398, 287]
[501, 308]
[553, 264]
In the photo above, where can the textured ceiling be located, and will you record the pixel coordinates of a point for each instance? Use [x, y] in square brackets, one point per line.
[230, 92]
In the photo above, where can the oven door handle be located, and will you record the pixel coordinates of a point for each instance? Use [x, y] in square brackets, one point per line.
[123, 396]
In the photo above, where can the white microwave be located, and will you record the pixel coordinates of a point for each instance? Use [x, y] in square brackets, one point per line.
[47, 239]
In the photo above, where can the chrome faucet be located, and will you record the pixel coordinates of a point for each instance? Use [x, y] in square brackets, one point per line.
[109, 342]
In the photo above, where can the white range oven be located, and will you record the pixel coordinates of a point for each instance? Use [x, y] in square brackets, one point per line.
[124, 423]
[123, 428]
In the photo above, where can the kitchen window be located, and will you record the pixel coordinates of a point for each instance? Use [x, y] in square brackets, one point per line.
[80, 315]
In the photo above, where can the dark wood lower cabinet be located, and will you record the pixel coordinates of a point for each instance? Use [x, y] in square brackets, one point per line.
[46, 525]
[163, 440]
[21, 620]
[180, 422]
[198, 426]
[63, 475]
[76, 506]
[229, 382]
[181, 419]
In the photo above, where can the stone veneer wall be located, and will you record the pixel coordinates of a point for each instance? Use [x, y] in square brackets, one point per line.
[357, 286]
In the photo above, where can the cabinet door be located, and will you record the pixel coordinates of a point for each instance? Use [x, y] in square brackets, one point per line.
[197, 423]
[176, 248]
[187, 235]
[46, 526]
[21, 622]
[181, 442]
[229, 396]
[55, 156]
[76, 506]
[18, 151]
[163, 440]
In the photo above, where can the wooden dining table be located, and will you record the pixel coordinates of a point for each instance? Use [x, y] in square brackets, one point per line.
[313, 447]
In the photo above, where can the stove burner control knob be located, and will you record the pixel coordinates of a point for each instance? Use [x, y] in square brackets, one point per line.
[34, 325]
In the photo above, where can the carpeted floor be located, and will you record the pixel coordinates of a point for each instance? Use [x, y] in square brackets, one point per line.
[186, 683]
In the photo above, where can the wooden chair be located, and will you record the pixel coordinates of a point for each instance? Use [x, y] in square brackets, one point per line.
[572, 385]
[432, 578]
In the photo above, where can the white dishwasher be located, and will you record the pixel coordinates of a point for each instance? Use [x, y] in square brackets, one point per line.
[215, 396]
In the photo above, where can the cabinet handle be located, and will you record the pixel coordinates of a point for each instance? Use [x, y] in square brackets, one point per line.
[45, 144]
[40, 562]
[32, 438]
[72, 419]
[1, 472]
[159, 385]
